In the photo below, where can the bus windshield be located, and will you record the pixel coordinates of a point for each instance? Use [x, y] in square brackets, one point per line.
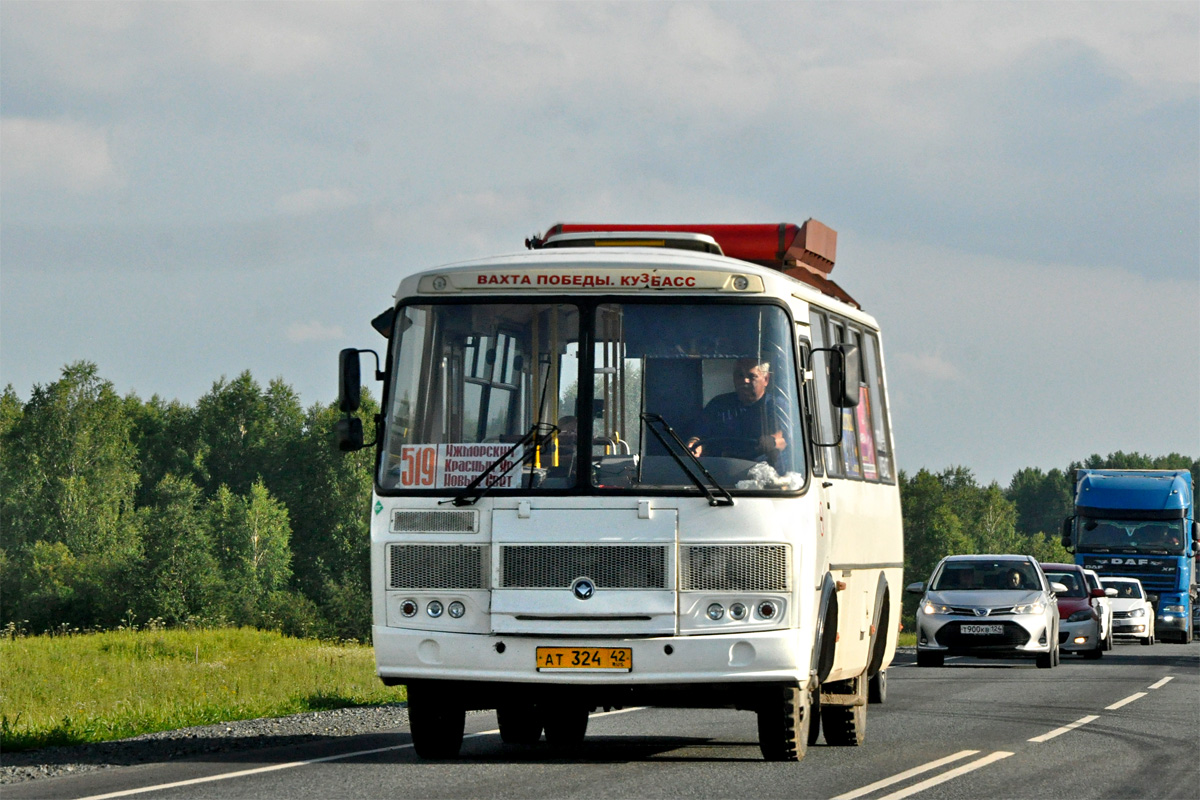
[470, 381]
[1131, 536]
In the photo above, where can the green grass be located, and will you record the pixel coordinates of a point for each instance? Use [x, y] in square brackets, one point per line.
[907, 640]
[96, 687]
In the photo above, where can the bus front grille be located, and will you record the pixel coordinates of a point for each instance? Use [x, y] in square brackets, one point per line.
[435, 566]
[608, 566]
[734, 568]
[404, 521]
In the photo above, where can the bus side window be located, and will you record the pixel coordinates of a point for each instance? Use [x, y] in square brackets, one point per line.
[867, 449]
[849, 449]
[873, 375]
[824, 404]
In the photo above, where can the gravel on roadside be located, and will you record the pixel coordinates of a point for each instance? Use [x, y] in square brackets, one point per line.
[222, 737]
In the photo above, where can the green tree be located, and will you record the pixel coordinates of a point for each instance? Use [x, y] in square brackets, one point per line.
[181, 577]
[1042, 499]
[243, 434]
[329, 496]
[67, 516]
[250, 538]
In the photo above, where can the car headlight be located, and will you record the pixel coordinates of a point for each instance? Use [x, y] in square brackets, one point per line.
[931, 608]
[1172, 609]
[1138, 612]
[1081, 615]
[1030, 608]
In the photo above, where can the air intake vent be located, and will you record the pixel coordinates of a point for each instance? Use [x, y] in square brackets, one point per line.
[557, 566]
[435, 521]
[435, 566]
[734, 568]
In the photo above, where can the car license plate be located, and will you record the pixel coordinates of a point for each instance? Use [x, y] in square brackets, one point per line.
[602, 659]
[984, 630]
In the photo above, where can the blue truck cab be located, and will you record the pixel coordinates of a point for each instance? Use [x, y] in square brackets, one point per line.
[1140, 524]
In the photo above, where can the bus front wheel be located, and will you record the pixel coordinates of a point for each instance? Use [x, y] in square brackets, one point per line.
[436, 723]
[784, 717]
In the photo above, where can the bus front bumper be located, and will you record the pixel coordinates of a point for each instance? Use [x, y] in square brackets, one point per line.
[766, 656]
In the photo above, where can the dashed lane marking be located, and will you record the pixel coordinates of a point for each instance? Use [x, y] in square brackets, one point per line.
[1045, 737]
[1163, 682]
[1126, 701]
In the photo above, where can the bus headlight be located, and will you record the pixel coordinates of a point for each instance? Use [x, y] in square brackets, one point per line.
[434, 609]
[737, 611]
[716, 611]
[456, 609]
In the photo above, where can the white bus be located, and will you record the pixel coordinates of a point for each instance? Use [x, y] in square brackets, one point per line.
[633, 466]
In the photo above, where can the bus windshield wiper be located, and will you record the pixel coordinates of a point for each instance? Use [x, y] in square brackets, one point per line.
[726, 499]
[472, 491]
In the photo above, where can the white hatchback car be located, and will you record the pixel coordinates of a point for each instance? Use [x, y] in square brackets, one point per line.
[989, 606]
[1133, 616]
[1103, 606]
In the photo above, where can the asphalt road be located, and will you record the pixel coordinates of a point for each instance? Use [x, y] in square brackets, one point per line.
[1127, 726]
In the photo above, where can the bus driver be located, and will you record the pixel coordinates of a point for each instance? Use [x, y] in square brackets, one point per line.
[745, 423]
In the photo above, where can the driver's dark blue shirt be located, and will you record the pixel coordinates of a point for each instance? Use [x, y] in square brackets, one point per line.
[735, 429]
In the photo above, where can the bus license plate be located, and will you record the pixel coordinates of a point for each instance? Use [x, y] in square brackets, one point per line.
[983, 629]
[602, 659]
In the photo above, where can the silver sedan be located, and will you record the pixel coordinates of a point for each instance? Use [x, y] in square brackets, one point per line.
[990, 606]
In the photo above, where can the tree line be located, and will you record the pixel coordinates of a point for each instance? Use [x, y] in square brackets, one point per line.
[237, 510]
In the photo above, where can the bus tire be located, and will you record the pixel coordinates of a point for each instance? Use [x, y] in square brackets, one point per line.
[436, 723]
[519, 723]
[566, 726]
[877, 687]
[844, 726]
[783, 715]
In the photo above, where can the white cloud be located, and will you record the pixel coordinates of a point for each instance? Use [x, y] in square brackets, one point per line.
[307, 201]
[314, 332]
[927, 365]
[59, 154]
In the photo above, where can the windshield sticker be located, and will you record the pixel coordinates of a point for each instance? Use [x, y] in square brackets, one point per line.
[452, 466]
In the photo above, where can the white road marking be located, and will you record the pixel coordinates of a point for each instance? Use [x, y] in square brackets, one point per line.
[292, 764]
[947, 776]
[903, 776]
[1059, 731]
[243, 772]
[1125, 702]
[1163, 682]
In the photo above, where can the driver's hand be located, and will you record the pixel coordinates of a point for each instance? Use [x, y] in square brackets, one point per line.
[694, 445]
[772, 443]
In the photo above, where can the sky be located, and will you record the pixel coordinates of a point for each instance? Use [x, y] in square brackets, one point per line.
[191, 190]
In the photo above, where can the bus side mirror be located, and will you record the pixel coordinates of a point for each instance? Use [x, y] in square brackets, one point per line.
[844, 375]
[1196, 534]
[349, 382]
[348, 433]
[1067, 525]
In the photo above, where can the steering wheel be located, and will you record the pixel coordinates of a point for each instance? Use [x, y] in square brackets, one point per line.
[730, 447]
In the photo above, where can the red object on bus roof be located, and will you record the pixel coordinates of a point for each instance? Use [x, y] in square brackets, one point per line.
[805, 252]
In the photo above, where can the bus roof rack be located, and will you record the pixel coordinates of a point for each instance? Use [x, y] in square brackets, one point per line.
[805, 252]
